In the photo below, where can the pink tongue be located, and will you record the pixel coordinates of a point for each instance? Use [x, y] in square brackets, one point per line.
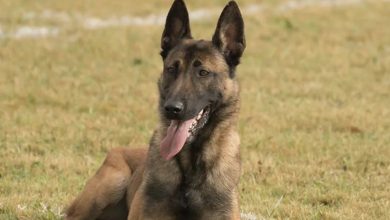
[177, 134]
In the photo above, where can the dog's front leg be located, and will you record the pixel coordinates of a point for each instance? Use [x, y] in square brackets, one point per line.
[106, 189]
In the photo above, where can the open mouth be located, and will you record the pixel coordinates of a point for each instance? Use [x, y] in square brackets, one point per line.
[198, 123]
[181, 132]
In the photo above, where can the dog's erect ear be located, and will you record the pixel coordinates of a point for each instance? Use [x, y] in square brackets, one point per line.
[229, 36]
[177, 27]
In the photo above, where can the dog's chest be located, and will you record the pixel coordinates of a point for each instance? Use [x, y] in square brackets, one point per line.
[197, 193]
[195, 197]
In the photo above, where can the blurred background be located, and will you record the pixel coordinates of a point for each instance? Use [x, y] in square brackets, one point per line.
[79, 77]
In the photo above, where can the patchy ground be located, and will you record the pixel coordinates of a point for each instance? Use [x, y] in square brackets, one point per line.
[315, 122]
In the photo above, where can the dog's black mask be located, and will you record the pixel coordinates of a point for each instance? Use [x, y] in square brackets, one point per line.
[197, 74]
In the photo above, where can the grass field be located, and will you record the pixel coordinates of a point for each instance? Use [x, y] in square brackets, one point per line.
[315, 117]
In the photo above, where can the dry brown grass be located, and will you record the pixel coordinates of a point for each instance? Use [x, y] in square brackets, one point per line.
[315, 122]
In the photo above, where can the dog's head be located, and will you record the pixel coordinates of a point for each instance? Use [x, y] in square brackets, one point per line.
[198, 75]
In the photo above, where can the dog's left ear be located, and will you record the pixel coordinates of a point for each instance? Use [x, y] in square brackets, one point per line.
[229, 35]
[177, 27]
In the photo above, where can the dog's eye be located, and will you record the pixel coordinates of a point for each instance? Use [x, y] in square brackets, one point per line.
[204, 73]
[171, 70]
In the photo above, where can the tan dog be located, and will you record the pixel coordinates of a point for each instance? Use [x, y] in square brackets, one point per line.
[192, 167]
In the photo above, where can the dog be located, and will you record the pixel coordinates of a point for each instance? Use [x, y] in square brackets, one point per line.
[191, 169]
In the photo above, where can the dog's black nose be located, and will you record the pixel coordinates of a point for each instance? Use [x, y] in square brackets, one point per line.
[174, 107]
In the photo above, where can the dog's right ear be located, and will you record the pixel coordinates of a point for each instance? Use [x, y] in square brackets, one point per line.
[177, 27]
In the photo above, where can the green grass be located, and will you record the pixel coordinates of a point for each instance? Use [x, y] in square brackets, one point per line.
[315, 117]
